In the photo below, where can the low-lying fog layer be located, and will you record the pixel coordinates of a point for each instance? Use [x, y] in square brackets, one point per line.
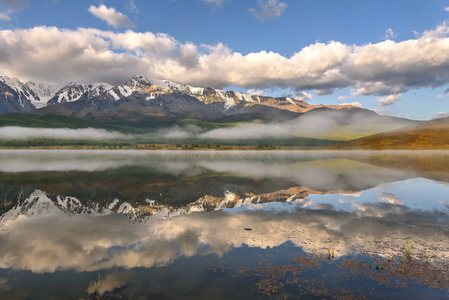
[22, 133]
[308, 125]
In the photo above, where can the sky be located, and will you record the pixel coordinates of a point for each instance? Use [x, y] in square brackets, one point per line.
[389, 56]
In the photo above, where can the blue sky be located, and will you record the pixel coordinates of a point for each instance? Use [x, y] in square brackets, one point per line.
[242, 45]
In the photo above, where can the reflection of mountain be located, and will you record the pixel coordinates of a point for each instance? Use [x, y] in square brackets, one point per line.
[175, 179]
[27, 202]
[45, 240]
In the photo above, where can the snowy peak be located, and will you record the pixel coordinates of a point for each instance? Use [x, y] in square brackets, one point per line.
[42, 93]
[17, 96]
[37, 94]
[69, 93]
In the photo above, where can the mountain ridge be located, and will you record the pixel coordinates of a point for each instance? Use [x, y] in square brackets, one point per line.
[18, 96]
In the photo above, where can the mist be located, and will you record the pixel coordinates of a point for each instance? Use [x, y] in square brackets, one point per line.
[23, 133]
[308, 125]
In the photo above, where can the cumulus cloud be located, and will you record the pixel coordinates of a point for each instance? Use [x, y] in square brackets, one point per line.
[342, 98]
[446, 8]
[91, 55]
[111, 16]
[18, 133]
[389, 100]
[269, 9]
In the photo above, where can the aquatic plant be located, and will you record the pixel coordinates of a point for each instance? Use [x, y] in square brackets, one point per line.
[96, 286]
[409, 248]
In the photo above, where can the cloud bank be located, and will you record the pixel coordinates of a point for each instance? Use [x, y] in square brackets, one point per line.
[385, 69]
[19, 133]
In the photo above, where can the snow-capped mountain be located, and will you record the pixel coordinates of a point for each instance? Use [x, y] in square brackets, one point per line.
[18, 96]
[73, 92]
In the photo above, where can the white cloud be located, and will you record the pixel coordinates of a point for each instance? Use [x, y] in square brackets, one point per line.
[384, 69]
[269, 9]
[389, 100]
[356, 104]
[441, 96]
[389, 34]
[342, 98]
[446, 8]
[111, 16]
[256, 92]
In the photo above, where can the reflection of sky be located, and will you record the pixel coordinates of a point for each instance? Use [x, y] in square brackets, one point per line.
[417, 193]
[43, 238]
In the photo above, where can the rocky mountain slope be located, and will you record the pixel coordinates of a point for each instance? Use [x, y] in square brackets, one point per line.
[18, 96]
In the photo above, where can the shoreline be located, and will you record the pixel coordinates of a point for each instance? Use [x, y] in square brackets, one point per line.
[222, 148]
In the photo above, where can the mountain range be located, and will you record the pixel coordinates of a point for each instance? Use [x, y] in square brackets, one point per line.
[27, 96]
[146, 98]
[144, 104]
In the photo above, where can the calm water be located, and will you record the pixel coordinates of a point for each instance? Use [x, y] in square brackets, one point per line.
[224, 225]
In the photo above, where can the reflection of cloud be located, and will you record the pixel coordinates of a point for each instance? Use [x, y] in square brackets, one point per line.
[354, 194]
[346, 201]
[390, 198]
[4, 283]
[49, 240]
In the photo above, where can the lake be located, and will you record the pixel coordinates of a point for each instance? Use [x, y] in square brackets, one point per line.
[223, 224]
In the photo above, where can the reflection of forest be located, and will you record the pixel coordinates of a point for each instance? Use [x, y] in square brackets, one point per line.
[431, 164]
[182, 180]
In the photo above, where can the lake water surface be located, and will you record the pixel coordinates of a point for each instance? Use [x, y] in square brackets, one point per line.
[224, 225]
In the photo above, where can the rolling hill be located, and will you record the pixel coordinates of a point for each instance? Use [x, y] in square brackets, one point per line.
[432, 134]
